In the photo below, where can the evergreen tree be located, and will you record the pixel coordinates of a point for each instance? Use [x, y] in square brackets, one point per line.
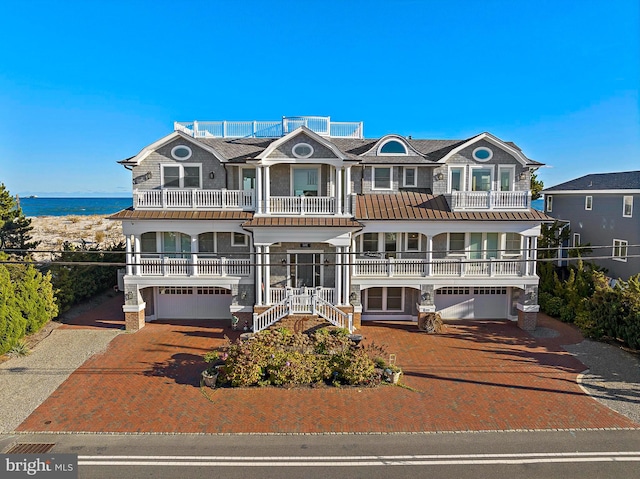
[34, 296]
[536, 187]
[15, 228]
[12, 324]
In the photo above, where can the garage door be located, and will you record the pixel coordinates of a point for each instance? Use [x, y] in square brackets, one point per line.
[193, 303]
[471, 303]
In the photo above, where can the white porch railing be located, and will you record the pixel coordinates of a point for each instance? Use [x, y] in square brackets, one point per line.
[439, 267]
[194, 266]
[278, 294]
[302, 205]
[192, 198]
[307, 303]
[270, 129]
[483, 200]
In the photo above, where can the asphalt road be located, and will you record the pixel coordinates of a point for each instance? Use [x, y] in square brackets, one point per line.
[539, 454]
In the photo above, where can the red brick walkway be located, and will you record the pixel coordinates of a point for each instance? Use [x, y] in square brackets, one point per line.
[479, 375]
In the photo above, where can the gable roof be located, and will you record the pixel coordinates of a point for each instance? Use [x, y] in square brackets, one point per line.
[303, 130]
[509, 147]
[622, 180]
[147, 150]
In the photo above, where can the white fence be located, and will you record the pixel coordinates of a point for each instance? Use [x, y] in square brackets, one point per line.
[191, 265]
[191, 198]
[302, 205]
[439, 267]
[482, 200]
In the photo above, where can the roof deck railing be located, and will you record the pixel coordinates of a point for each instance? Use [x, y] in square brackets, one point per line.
[322, 125]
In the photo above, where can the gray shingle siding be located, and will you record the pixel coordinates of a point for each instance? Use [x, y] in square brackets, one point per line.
[601, 225]
[162, 156]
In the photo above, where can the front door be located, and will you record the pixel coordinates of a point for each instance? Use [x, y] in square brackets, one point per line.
[304, 270]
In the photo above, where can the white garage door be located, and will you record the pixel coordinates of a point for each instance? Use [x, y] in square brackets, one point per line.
[471, 303]
[193, 303]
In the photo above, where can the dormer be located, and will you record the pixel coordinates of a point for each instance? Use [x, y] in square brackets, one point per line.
[483, 173]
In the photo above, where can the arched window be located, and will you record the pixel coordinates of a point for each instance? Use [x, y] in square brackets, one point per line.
[393, 147]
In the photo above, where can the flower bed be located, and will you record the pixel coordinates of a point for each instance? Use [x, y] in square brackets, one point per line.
[282, 358]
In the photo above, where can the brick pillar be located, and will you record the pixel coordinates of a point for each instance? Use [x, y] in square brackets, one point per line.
[527, 320]
[134, 320]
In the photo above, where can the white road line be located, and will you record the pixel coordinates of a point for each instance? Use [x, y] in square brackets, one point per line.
[347, 461]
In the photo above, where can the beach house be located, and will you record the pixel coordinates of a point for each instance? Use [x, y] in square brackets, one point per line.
[264, 220]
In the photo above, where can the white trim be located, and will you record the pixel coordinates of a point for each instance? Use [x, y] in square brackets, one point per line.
[589, 192]
[233, 239]
[512, 177]
[624, 206]
[491, 139]
[588, 203]
[133, 308]
[621, 244]
[389, 140]
[181, 166]
[576, 240]
[294, 167]
[415, 176]
[482, 167]
[147, 150]
[375, 148]
[548, 207]
[406, 241]
[384, 309]
[463, 177]
[301, 130]
[179, 158]
[241, 176]
[482, 148]
[304, 157]
[373, 178]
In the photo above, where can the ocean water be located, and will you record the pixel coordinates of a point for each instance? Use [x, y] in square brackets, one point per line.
[538, 204]
[73, 206]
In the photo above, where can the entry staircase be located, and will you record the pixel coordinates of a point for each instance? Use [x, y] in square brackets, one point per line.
[303, 301]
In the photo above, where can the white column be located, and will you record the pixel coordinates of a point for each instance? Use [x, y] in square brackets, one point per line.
[267, 190]
[429, 268]
[338, 276]
[129, 256]
[345, 275]
[267, 275]
[347, 190]
[338, 191]
[258, 274]
[259, 202]
[136, 255]
[194, 255]
[534, 254]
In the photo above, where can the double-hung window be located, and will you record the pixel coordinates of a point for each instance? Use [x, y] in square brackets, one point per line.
[410, 177]
[620, 250]
[181, 176]
[627, 206]
[382, 177]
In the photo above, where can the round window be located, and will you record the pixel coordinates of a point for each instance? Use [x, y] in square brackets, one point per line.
[181, 152]
[302, 150]
[482, 154]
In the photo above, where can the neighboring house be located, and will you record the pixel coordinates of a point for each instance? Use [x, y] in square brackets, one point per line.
[600, 211]
[305, 215]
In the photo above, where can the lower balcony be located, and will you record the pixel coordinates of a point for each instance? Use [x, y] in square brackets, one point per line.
[192, 265]
[438, 267]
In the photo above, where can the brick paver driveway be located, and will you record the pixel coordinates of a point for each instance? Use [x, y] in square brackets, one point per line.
[479, 375]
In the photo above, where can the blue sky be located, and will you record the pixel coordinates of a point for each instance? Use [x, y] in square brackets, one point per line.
[85, 84]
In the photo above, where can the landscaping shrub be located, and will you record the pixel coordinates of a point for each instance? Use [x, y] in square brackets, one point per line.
[280, 357]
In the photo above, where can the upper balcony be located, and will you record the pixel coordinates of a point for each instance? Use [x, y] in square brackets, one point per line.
[490, 200]
[186, 199]
[322, 125]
